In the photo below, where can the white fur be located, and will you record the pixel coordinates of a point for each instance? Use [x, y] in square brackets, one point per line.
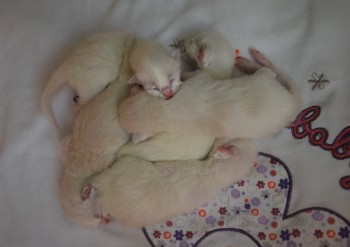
[138, 193]
[97, 61]
[167, 146]
[251, 106]
[158, 73]
[91, 148]
[218, 55]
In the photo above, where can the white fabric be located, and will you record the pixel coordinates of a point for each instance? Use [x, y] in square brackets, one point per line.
[301, 37]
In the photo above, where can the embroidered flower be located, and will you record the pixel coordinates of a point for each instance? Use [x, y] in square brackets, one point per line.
[262, 236]
[240, 183]
[265, 194]
[222, 211]
[255, 202]
[344, 232]
[318, 234]
[260, 184]
[189, 234]
[247, 206]
[318, 81]
[296, 233]
[261, 169]
[285, 235]
[275, 211]
[283, 183]
[235, 193]
[263, 220]
[178, 235]
[210, 220]
[317, 216]
[156, 234]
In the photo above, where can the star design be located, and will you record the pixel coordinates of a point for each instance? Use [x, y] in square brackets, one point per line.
[318, 81]
[178, 44]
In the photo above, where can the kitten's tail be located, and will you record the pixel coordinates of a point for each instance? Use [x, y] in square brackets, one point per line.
[56, 82]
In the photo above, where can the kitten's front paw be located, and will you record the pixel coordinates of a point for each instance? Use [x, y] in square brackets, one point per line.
[246, 66]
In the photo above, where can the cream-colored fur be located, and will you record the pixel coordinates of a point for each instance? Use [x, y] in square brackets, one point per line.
[97, 61]
[90, 149]
[211, 52]
[251, 106]
[138, 193]
[167, 146]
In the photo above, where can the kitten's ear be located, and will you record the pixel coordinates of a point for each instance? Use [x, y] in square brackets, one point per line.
[176, 54]
[133, 80]
[203, 55]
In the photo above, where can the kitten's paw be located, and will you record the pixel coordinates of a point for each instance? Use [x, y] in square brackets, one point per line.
[262, 59]
[87, 192]
[224, 152]
[246, 66]
[137, 138]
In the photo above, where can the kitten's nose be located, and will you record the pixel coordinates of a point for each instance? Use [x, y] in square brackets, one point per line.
[168, 94]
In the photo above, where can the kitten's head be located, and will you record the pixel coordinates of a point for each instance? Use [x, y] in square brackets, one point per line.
[208, 48]
[159, 75]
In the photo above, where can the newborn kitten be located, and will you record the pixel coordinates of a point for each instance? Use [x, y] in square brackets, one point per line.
[97, 61]
[90, 149]
[158, 73]
[137, 192]
[211, 52]
[251, 106]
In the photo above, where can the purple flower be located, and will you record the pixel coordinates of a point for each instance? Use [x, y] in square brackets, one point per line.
[344, 232]
[210, 220]
[317, 216]
[284, 183]
[255, 201]
[285, 235]
[263, 220]
[235, 193]
[261, 169]
[178, 235]
[247, 206]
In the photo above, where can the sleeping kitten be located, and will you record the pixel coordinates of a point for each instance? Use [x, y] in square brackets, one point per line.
[137, 192]
[211, 52]
[251, 106]
[97, 61]
[158, 73]
[90, 149]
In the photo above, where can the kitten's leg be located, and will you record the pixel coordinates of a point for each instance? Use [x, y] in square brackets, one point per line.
[262, 59]
[246, 66]
[224, 152]
[88, 192]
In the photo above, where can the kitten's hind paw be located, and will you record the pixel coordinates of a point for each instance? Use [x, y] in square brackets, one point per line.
[246, 66]
[224, 152]
[87, 192]
[262, 59]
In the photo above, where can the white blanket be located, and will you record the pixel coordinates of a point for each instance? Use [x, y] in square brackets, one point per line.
[310, 40]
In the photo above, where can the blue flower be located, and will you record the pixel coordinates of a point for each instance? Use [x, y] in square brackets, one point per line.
[344, 232]
[285, 235]
[284, 183]
[178, 235]
[247, 206]
[210, 220]
[261, 169]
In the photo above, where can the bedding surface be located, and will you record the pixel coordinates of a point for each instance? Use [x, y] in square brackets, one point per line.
[297, 195]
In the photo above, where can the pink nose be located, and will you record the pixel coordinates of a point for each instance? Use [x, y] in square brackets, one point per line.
[167, 93]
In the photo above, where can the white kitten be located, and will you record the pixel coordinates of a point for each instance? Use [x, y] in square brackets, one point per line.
[138, 193]
[90, 149]
[97, 61]
[158, 73]
[211, 52]
[251, 106]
